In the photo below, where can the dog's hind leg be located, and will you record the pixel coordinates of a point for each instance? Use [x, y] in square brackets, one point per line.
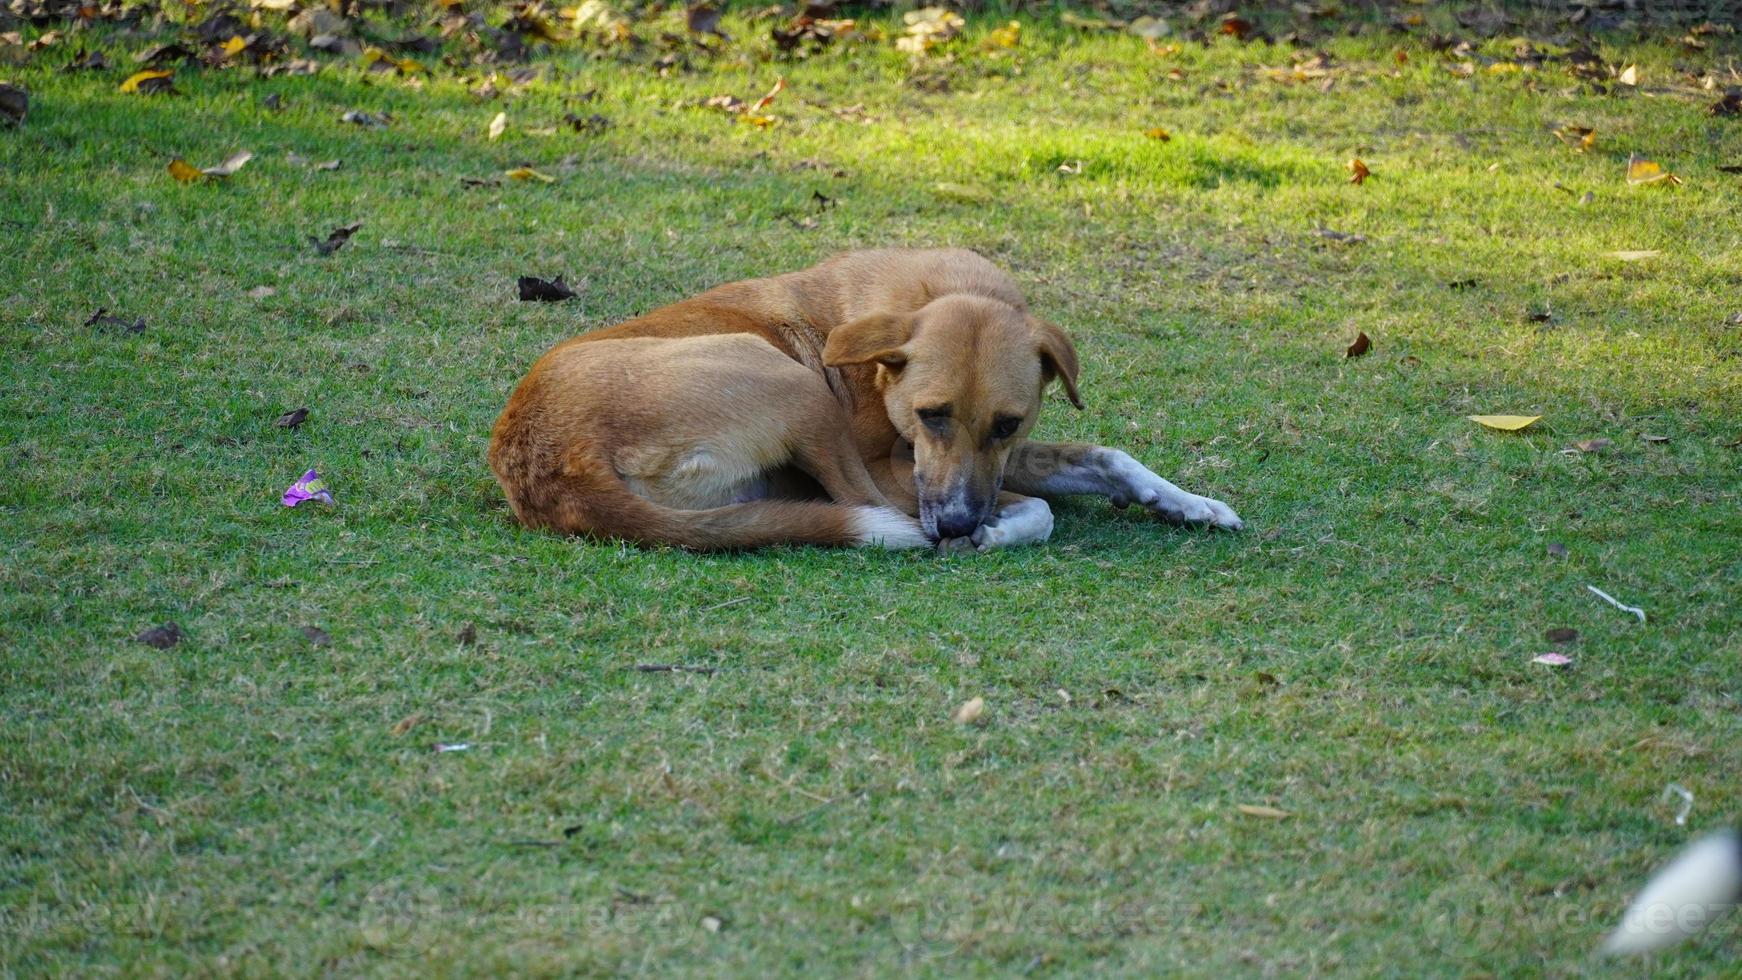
[822, 446]
[1058, 469]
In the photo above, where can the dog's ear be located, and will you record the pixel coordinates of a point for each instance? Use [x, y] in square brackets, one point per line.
[878, 337]
[1058, 359]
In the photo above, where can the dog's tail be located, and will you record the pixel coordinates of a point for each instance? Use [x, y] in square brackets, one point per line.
[584, 495]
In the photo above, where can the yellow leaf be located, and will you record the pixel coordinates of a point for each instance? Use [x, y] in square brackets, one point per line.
[1643, 171]
[1157, 133]
[235, 45]
[1358, 172]
[1580, 138]
[145, 78]
[760, 122]
[1008, 36]
[1630, 76]
[184, 171]
[498, 125]
[527, 173]
[1505, 423]
[411, 66]
[1264, 812]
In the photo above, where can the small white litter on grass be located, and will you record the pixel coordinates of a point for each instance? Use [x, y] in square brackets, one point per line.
[1617, 603]
[1674, 790]
[1552, 659]
[456, 747]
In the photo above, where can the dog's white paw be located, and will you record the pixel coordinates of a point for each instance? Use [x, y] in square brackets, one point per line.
[1025, 522]
[1189, 508]
[1176, 506]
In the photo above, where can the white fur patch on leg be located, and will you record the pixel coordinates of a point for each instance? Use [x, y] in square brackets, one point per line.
[1027, 521]
[886, 527]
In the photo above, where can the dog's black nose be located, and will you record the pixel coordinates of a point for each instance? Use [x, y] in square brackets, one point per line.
[956, 527]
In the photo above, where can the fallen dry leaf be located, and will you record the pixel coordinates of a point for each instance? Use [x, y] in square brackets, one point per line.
[1580, 138]
[927, 28]
[148, 81]
[1643, 171]
[527, 173]
[103, 321]
[499, 125]
[1358, 172]
[14, 104]
[1629, 75]
[161, 637]
[1340, 237]
[261, 292]
[368, 120]
[317, 636]
[1651, 438]
[184, 171]
[1592, 445]
[1505, 423]
[1263, 812]
[1362, 345]
[1157, 133]
[535, 290]
[1236, 27]
[969, 711]
[229, 166]
[1008, 36]
[406, 724]
[88, 61]
[292, 418]
[158, 54]
[704, 18]
[336, 240]
[762, 103]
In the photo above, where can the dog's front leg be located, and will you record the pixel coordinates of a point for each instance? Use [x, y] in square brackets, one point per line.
[1018, 520]
[1054, 469]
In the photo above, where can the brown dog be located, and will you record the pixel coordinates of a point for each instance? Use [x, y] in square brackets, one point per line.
[830, 406]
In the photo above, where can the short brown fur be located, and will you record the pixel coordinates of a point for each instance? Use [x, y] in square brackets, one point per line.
[677, 426]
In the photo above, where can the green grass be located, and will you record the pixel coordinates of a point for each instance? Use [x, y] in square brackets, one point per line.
[1360, 657]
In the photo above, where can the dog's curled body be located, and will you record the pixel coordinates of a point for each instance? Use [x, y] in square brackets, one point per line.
[657, 429]
[874, 399]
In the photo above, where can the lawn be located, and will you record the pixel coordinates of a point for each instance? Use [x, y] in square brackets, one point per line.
[267, 795]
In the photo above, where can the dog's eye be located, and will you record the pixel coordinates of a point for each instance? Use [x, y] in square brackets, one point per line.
[935, 419]
[1005, 427]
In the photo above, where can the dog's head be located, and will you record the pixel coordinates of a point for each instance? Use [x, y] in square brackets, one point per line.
[962, 380]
